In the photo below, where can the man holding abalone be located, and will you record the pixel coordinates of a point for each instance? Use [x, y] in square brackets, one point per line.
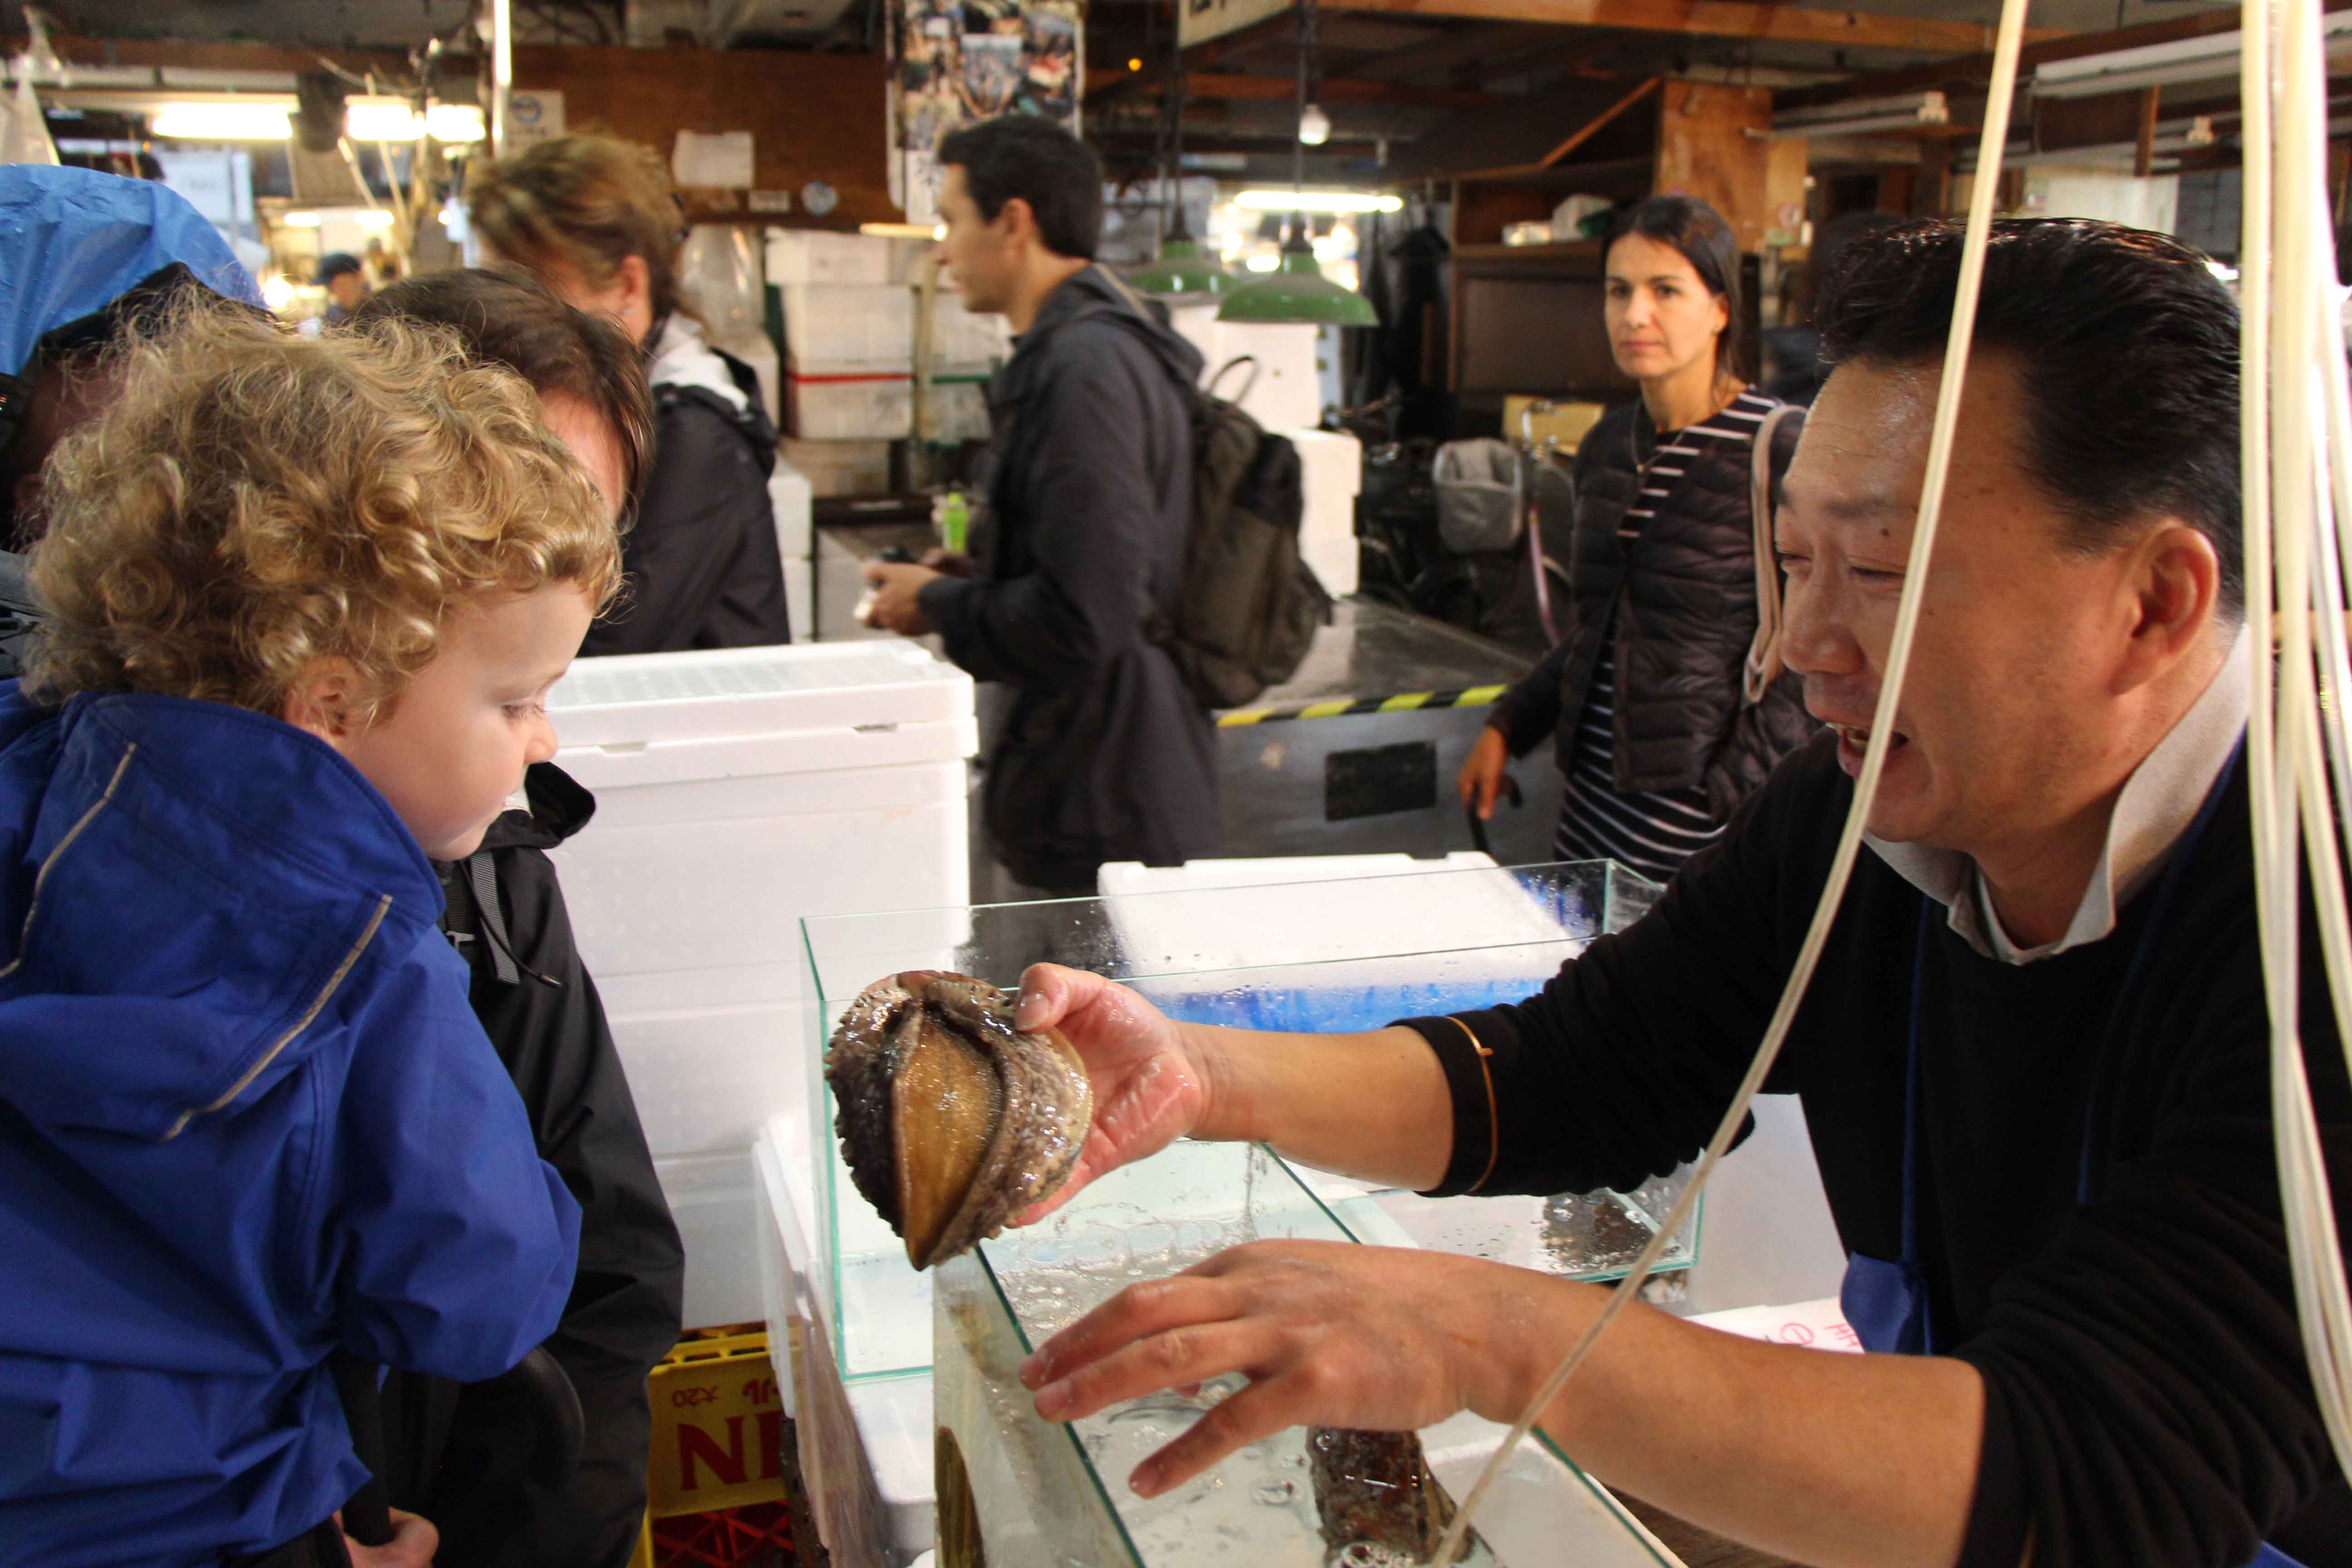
[2034, 1062]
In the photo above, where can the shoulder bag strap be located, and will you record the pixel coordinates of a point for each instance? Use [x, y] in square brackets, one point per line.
[1763, 665]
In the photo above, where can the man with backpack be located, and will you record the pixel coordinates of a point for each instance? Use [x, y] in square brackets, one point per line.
[1098, 748]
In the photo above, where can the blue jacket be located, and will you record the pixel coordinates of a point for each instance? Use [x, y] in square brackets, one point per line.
[246, 1115]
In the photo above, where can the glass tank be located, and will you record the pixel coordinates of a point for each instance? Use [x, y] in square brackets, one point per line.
[1298, 955]
[1018, 1490]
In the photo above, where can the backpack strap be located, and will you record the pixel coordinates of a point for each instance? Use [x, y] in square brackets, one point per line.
[1763, 665]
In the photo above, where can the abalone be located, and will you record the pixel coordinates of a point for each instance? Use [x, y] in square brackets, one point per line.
[952, 1120]
[1375, 1490]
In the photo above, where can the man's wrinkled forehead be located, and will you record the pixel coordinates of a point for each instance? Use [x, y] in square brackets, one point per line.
[1862, 460]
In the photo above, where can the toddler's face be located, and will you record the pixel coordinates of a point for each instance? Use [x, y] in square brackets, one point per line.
[457, 741]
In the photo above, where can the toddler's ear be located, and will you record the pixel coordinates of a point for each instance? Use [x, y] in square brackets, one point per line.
[329, 699]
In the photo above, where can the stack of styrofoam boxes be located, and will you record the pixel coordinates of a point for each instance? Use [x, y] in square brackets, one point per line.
[849, 340]
[794, 501]
[966, 350]
[1285, 396]
[1331, 465]
[738, 790]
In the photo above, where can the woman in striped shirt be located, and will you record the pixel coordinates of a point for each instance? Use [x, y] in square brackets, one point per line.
[1645, 696]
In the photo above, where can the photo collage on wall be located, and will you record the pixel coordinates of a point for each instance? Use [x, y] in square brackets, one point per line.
[960, 61]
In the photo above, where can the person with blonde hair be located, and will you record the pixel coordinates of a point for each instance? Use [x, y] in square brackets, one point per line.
[597, 220]
[305, 599]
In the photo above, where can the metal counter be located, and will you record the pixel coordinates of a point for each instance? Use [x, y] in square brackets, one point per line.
[1358, 751]
[1355, 754]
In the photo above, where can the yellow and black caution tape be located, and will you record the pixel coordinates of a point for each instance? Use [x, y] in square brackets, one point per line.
[1403, 702]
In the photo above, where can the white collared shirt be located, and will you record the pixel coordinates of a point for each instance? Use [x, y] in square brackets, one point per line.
[2159, 802]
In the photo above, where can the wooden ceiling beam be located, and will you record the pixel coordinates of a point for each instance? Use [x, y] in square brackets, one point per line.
[1977, 68]
[1334, 89]
[1716, 18]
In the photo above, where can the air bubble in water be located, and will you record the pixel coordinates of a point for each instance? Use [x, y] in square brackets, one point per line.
[1275, 1493]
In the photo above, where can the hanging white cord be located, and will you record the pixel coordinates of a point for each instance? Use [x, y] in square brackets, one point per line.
[2294, 776]
[1982, 196]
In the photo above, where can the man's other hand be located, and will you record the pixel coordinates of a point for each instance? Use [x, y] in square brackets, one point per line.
[893, 608]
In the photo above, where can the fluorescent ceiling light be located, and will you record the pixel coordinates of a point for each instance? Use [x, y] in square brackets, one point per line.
[373, 218]
[381, 123]
[1319, 202]
[224, 121]
[903, 230]
[1263, 263]
[1913, 108]
[2213, 56]
[455, 122]
[300, 220]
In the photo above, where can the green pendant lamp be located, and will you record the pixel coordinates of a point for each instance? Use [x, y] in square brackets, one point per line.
[1180, 268]
[1295, 291]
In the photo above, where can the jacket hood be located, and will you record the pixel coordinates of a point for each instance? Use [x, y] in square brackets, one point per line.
[200, 880]
[1091, 290]
[683, 357]
[73, 241]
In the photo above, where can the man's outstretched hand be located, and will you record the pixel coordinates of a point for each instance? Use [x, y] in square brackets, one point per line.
[1151, 1085]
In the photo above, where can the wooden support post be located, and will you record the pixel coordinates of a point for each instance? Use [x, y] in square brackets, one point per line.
[2143, 154]
[1705, 150]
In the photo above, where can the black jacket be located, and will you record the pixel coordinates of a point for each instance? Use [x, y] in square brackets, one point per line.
[453, 1449]
[2147, 1397]
[704, 569]
[1102, 753]
[1685, 600]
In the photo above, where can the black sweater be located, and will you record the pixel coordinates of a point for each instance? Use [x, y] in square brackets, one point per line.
[2147, 1401]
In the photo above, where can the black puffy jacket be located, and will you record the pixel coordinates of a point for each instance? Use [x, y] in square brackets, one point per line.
[1683, 593]
[704, 568]
[455, 1450]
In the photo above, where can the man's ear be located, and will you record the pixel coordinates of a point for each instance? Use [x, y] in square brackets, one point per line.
[329, 699]
[2175, 584]
[1016, 217]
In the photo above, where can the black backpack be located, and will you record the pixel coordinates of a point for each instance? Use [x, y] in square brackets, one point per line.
[1249, 604]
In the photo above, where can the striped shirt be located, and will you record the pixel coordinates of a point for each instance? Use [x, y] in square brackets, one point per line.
[1650, 831]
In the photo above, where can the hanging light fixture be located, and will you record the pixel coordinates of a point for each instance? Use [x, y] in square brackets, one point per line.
[1181, 267]
[1295, 291]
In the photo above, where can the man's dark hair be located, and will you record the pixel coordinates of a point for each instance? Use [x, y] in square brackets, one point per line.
[516, 323]
[2126, 347]
[1689, 226]
[335, 264]
[1022, 155]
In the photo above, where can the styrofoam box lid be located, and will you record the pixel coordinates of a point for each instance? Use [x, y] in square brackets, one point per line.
[638, 699]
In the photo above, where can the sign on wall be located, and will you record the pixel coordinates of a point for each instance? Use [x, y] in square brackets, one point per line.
[957, 62]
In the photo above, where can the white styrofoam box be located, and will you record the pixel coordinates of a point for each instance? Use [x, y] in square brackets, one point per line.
[907, 258]
[849, 403]
[841, 468]
[712, 1053]
[624, 701]
[1301, 910]
[820, 256]
[1287, 392]
[960, 410]
[800, 597]
[793, 499]
[1331, 464]
[961, 337]
[870, 325]
[712, 1200]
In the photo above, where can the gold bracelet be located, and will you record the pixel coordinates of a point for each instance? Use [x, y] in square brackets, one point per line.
[1494, 1116]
